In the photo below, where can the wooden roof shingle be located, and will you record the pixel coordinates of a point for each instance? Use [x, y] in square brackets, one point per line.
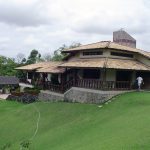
[49, 67]
[110, 63]
[110, 45]
[127, 64]
[84, 63]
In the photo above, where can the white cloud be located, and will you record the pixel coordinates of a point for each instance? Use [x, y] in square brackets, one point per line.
[31, 40]
[46, 25]
[4, 39]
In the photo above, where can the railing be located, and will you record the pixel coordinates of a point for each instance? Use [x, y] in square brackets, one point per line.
[56, 87]
[103, 85]
[68, 85]
[53, 87]
[88, 83]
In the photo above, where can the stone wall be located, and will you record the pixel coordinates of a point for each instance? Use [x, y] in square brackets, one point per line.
[82, 95]
[79, 95]
[50, 96]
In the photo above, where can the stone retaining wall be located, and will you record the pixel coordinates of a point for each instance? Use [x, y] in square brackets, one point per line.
[50, 96]
[80, 95]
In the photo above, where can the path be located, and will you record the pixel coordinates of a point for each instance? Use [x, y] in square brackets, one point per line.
[3, 96]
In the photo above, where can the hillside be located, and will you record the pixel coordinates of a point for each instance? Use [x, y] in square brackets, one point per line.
[121, 124]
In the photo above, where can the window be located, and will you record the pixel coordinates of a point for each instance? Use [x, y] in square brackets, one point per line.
[92, 53]
[122, 54]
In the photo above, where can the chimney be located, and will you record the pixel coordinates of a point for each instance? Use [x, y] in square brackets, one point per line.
[123, 38]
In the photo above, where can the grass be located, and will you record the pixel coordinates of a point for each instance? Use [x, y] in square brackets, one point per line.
[123, 124]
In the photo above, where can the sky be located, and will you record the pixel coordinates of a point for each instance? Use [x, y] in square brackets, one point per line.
[46, 25]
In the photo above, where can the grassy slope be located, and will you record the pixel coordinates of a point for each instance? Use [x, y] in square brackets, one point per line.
[122, 124]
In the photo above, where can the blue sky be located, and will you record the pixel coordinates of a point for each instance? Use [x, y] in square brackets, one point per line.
[46, 25]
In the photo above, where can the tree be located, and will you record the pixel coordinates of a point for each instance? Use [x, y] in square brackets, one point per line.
[58, 55]
[20, 58]
[7, 66]
[74, 45]
[47, 57]
[33, 57]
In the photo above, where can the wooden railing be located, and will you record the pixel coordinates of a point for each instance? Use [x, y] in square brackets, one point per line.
[56, 87]
[53, 87]
[103, 85]
[88, 83]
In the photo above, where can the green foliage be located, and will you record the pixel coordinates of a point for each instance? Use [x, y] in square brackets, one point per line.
[20, 58]
[31, 90]
[120, 125]
[33, 57]
[58, 55]
[7, 66]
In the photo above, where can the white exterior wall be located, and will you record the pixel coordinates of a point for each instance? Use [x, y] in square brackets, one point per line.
[72, 58]
[107, 53]
[49, 77]
[143, 59]
[133, 77]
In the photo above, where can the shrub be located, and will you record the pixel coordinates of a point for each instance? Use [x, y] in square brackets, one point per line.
[17, 89]
[33, 91]
[17, 93]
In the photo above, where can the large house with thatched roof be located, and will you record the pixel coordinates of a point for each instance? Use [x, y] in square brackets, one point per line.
[103, 65]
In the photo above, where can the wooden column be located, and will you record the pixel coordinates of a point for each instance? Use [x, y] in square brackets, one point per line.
[74, 77]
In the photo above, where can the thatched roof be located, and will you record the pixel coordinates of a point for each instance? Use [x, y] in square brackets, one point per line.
[59, 67]
[106, 45]
[84, 63]
[32, 66]
[127, 64]
[49, 67]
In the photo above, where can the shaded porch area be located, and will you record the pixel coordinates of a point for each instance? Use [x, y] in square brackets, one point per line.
[100, 79]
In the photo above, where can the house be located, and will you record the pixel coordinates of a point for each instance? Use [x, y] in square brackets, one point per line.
[8, 82]
[103, 65]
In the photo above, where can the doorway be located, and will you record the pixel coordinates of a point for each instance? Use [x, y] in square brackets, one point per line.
[146, 79]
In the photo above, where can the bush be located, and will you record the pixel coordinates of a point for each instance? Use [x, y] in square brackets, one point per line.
[24, 98]
[29, 95]
[17, 93]
[17, 89]
[33, 91]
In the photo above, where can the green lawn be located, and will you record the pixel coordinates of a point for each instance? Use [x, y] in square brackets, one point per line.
[123, 124]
